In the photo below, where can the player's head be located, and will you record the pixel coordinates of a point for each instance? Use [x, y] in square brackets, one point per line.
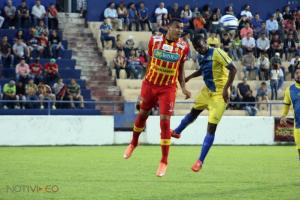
[297, 72]
[175, 29]
[199, 41]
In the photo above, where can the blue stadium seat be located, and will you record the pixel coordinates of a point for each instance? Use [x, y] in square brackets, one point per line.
[66, 54]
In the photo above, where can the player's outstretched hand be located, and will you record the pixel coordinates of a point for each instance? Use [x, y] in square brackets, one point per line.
[226, 95]
[283, 121]
[186, 93]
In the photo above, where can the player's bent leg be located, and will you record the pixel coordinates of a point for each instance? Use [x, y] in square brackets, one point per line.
[165, 142]
[138, 127]
[187, 120]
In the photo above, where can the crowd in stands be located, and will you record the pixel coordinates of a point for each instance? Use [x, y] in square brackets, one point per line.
[37, 38]
[261, 46]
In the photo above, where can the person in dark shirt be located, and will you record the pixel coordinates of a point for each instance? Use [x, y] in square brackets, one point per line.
[226, 42]
[6, 55]
[174, 12]
[243, 88]
[56, 47]
[250, 104]
[144, 17]
[23, 15]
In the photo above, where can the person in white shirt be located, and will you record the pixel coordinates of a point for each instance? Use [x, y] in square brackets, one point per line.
[111, 14]
[248, 43]
[159, 12]
[275, 75]
[272, 25]
[263, 65]
[39, 13]
[247, 12]
[262, 44]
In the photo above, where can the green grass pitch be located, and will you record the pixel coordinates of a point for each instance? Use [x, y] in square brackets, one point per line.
[230, 172]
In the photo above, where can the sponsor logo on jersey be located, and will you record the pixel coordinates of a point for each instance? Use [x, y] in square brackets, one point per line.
[166, 56]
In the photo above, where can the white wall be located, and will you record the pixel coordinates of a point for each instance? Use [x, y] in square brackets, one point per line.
[98, 130]
[231, 130]
[56, 130]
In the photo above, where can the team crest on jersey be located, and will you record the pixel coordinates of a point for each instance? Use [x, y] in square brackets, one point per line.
[181, 45]
[166, 56]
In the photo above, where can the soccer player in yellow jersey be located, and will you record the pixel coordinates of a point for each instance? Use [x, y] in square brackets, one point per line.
[218, 73]
[292, 96]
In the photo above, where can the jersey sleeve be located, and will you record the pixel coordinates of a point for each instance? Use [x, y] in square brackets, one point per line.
[222, 57]
[286, 101]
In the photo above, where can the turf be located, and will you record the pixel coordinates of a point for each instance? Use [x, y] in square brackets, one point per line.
[230, 172]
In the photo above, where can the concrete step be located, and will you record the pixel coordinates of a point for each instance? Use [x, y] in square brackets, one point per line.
[68, 15]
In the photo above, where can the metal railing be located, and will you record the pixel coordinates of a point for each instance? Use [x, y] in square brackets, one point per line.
[30, 104]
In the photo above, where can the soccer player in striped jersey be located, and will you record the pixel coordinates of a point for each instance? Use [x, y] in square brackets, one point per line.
[167, 55]
[218, 73]
[292, 96]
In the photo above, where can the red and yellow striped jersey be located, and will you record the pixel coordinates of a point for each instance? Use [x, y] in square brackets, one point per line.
[165, 59]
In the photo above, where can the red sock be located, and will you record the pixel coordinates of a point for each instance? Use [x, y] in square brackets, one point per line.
[165, 139]
[139, 125]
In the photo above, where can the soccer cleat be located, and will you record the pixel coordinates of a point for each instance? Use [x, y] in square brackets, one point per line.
[128, 152]
[161, 170]
[175, 135]
[197, 166]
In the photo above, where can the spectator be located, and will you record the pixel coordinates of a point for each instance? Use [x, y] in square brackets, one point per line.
[256, 25]
[123, 15]
[263, 65]
[39, 13]
[234, 98]
[144, 61]
[51, 71]
[110, 13]
[264, 30]
[82, 7]
[20, 50]
[272, 25]
[41, 28]
[276, 46]
[55, 44]
[226, 42]
[134, 65]
[119, 42]
[289, 47]
[129, 45]
[278, 16]
[247, 30]
[248, 62]
[34, 47]
[20, 35]
[144, 17]
[236, 50]
[248, 44]
[45, 93]
[213, 40]
[262, 94]
[133, 17]
[10, 15]
[186, 15]
[243, 89]
[287, 12]
[74, 93]
[21, 95]
[214, 24]
[174, 12]
[120, 63]
[44, 43]
[7, 58]
[9, 93]
[23, 15]
[243, 21]
[105, 34]
[274, 81]
[22, 71]
[1, 20]
[262, 45]
[229, 10]
[250, 105]
[159, 13]
[276, 60]
[293, 63]
[36, 71]
[247, 12]
[52, 17]
[31, 94]
[60, 91]
[164, 23]
[199, 22]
